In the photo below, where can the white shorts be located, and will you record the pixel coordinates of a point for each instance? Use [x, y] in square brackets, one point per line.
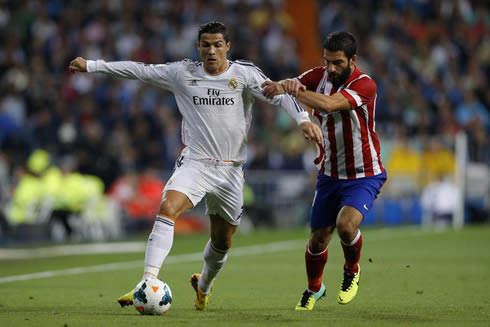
[221, 183]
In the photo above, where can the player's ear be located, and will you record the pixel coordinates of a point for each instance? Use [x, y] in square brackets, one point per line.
[228, 46]
[354, 59]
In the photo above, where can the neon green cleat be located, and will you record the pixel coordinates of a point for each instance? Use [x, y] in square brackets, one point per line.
[126, 299]
[201, 302]
[349, 287]
[308, 299]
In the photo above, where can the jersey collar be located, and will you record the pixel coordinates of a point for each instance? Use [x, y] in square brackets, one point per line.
[223, 72]
[355, 74]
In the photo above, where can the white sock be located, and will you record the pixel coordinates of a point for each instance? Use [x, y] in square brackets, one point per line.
[214, 260]
[158, 246]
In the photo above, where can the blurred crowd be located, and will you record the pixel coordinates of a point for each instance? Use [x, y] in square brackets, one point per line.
[430, 59]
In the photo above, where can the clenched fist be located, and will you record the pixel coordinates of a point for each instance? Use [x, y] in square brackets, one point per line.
[78, 65]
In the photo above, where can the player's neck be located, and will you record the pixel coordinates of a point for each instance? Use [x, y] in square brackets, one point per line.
[223, 68]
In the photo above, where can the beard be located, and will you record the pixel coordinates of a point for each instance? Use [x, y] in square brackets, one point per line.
[339, 80]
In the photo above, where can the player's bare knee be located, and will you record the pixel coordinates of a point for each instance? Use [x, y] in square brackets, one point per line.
[319, 240]
[347, 229]
[346, 226]
[169, 210]
[317, 246]
[221, 242]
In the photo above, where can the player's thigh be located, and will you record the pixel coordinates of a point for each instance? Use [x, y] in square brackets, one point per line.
[226, 198]
[357, 198]
[174, 203]
[185, 188]
[326, 204]
[221, 232]
[360, 194]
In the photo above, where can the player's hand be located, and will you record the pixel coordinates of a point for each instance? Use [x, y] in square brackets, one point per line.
[78, 65]
[271, 89]
[293, 87]
[312, 131]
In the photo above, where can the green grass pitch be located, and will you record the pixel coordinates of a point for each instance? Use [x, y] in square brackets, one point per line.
[410, 277]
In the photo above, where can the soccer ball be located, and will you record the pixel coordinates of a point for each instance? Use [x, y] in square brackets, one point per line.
[152, 297]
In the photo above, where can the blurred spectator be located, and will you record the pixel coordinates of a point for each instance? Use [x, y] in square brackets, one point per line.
[472, 112]
[138, 194]
[404, 166]
[28, 205]
[58, 200]
[439, 201]
[436, 161]
[8, 126]
[13, 106]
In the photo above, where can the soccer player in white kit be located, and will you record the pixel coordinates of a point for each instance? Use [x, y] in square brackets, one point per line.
[215, 97]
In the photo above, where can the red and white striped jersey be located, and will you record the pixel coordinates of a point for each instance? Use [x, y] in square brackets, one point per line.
[350, 144]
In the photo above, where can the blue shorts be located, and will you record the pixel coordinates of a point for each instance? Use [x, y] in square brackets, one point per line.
[332, 194]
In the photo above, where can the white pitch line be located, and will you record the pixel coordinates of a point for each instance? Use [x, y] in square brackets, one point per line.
[191, 257]
[125, 247]
[382, 235]
[78, 249]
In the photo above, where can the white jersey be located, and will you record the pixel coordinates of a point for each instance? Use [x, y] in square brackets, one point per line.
[216, 109]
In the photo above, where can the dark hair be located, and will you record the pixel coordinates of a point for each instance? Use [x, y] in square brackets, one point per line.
[341, 41]
[213, 27]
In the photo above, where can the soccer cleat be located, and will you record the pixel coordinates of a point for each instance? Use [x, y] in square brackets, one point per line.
[308, 299]
[126, 299]
[201, 302]
[349, 287]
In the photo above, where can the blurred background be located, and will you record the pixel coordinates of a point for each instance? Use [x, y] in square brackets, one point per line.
[84, 157]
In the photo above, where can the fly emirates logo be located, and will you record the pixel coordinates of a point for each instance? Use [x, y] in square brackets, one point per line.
[213, 99]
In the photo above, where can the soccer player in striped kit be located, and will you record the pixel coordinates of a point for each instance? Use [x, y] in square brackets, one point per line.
[351, 173]
[215, 97]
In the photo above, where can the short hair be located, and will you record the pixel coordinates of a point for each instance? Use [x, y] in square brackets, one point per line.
[213, 27]
[341, 41]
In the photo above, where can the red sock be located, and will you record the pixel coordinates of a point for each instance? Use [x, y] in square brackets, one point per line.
[314, 268]
[352, 253]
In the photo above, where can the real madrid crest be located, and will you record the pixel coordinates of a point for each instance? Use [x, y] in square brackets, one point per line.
[233, 83]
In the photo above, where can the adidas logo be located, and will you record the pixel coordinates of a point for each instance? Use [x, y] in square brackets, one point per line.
[193, 83]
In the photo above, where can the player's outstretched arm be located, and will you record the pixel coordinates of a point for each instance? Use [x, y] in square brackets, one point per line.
[78, 64]
[161, 75]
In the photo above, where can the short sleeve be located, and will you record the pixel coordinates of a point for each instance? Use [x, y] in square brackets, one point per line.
[311, 78]
[360, 92]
